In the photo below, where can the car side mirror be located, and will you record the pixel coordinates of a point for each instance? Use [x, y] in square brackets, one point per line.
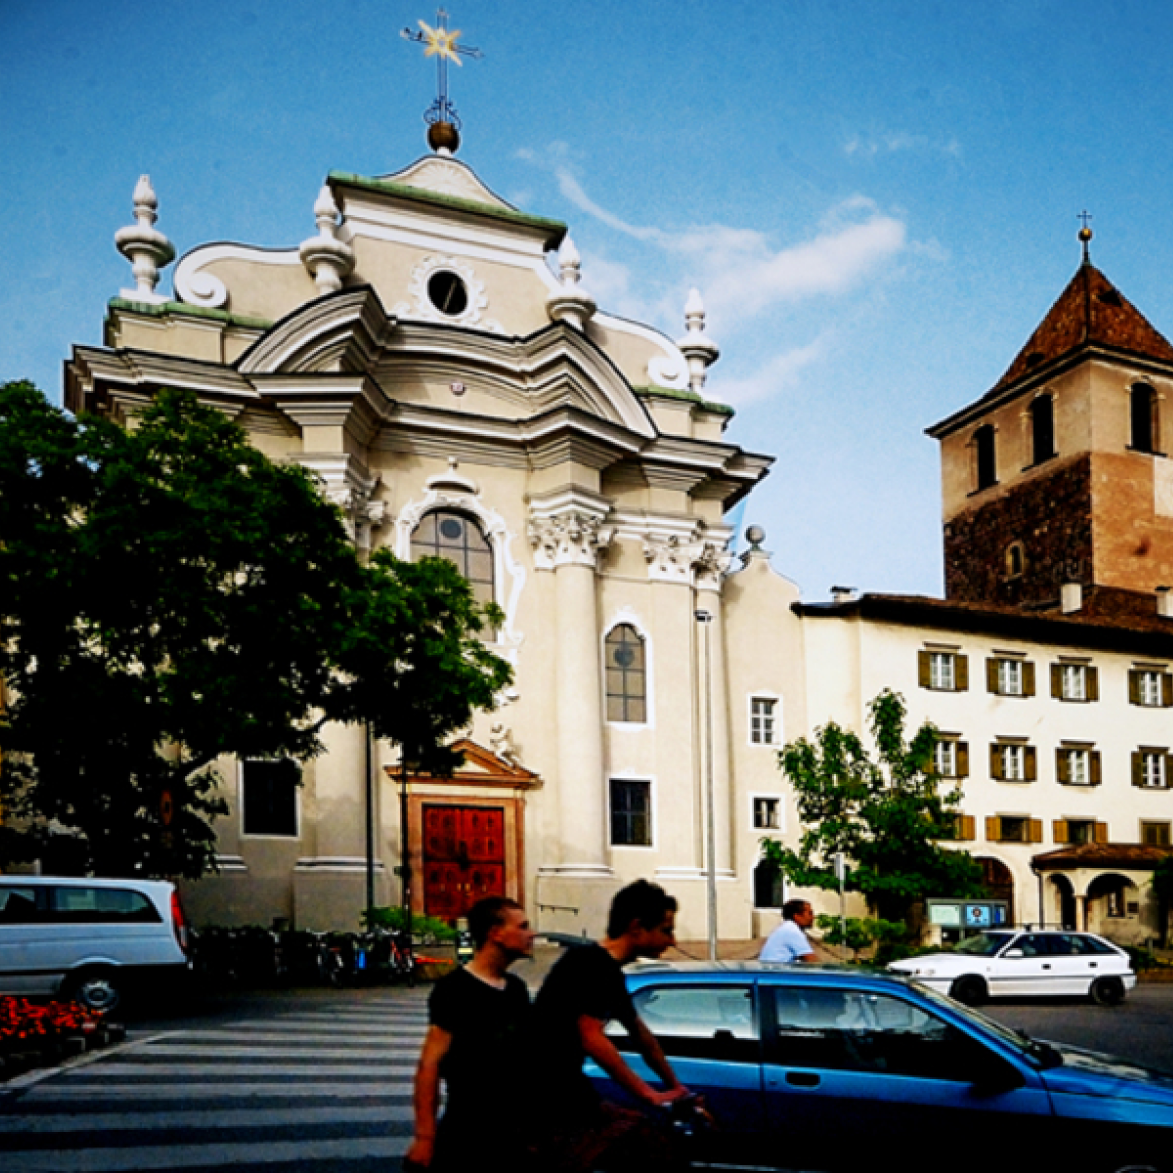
[1014, 953]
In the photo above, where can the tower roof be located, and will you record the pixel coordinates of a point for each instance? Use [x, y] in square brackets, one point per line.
[1091, 311]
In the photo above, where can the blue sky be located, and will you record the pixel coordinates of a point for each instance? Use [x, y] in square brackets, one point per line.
[877, 201]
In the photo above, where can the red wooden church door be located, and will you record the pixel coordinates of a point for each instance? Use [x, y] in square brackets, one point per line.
[464, 857]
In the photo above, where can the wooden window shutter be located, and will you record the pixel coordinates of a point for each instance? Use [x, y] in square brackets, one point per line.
[1030, 765]
[922, 669]
[1169, 769]
[1036, 830]
[1137, 769]
[991, 675]
[1097, 767]
[1133, 686]
[1101, 832]
[995, 760]
[961, 672]
[1093, 683]
[1062, 773]
[1028, 678]
[965, 827]
[1057, 680]
[1167, 689]
[993, 828]
[963, 760]
[1059, 830]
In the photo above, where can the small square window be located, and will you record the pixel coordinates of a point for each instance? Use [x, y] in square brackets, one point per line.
[1073, 679]
[269, 797]
[1081, 831]
[1010, 677]
[763, 720]
[1152, 769]
[631, 813]
[941, 671]
[1014, 829]
[767, 814]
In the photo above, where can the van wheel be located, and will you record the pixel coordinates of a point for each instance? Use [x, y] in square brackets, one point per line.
[1107, 991]
[969, 990]
[96, 989]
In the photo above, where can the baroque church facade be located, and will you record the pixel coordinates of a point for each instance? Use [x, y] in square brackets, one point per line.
[433, 355]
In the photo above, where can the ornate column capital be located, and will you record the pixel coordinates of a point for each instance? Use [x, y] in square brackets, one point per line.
[573, 537]
[710, 563]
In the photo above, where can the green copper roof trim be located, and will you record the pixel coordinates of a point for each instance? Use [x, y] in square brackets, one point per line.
[687, 396]
[163, 309]
[446, 201]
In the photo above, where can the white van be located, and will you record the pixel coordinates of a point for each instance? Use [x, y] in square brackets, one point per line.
[88, 939]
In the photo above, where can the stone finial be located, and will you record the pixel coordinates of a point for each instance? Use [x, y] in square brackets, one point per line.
[570, 302]
[327, 258]
[699, 350]
[147, 249]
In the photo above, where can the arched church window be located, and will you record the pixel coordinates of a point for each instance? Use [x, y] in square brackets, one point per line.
[444, 533]
[987, 464]
[1142, 409]
[627, 676]
[1042, 428]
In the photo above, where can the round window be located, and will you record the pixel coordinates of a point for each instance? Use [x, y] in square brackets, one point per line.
[624, 656]
[451, 529]
[447, 293]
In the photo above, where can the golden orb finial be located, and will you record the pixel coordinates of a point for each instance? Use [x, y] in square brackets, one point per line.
[1085, 236]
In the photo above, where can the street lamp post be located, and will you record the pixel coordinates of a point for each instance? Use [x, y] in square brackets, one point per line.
[705, 619]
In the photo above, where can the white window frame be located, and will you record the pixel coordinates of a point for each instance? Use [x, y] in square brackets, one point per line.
[255, 835]
[946, 748]
[774, 719]
[1073, 682]
[1155, 759]
[1079, 766]
[779, 808]
[1013, 762]
[943, 671]
[1010, 677]
[1149, 687]
[626, 615]
[653, 814]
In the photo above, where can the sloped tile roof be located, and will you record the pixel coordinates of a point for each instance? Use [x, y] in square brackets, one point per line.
[1091, 311]
[1136, 856]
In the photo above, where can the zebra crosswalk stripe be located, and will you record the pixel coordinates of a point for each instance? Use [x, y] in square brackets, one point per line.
[328, 1087]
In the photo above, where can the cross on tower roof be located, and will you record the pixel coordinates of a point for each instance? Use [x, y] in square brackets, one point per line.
[443, 123]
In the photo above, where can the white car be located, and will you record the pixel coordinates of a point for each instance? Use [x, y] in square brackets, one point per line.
[1024, 963]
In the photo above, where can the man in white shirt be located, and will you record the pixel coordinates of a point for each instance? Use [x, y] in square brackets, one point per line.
[789, 941]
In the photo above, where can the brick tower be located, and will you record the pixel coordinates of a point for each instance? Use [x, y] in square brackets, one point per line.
[1058, 475]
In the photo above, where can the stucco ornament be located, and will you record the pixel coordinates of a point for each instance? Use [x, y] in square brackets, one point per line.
[669, 557]
[570, 538]
[710, 563]
[327, 258]
[421, 307]
[501, 743]
[362, 513]
[144, 246]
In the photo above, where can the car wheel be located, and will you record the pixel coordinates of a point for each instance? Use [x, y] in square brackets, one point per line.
[96, 989]
[969, 990]
[1107, 991]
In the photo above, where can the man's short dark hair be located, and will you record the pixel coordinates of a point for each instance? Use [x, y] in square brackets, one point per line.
[486, 915]
[642, 901]
[792, 908]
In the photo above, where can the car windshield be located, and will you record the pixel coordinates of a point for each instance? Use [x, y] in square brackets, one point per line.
[983, 945]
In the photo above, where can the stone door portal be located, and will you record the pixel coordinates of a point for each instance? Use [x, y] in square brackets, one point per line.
[463, 857]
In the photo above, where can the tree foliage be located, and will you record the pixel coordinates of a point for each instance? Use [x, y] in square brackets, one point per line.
[169, 595]
[889, 817]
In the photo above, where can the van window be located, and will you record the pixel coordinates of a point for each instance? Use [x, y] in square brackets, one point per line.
[20, 906]
[108, 905]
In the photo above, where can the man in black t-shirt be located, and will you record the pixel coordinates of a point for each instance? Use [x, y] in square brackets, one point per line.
[583, 992]
[478, 1022]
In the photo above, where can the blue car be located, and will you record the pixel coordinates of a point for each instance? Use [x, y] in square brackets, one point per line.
[820, 1068]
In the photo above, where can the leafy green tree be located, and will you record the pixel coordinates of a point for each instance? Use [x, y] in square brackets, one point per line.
[859, 933]
[169, 595]
[889, 817]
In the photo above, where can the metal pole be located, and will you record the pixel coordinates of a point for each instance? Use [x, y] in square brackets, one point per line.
[404, 847]
[370, 812]
[704, 618]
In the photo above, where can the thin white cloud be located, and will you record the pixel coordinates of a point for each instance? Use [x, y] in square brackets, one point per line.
[777, 374]
[889, 143]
